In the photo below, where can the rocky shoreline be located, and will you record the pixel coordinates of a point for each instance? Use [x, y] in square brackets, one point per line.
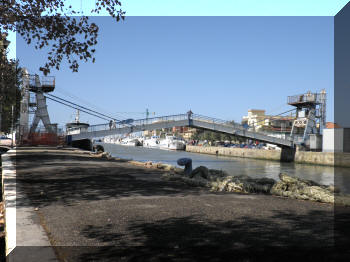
[221, 181]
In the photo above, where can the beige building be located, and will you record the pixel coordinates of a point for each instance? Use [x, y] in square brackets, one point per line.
[258, 120]
[255, 118]
[184, 131]
[189, 133]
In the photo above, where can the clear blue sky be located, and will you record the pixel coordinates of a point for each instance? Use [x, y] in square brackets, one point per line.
[210, 8]
[216, 66]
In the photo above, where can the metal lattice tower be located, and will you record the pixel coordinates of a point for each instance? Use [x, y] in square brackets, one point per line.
[34, 102]
[24, 110]
[310, 115]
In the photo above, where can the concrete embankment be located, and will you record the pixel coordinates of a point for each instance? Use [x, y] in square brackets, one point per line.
[316, 158]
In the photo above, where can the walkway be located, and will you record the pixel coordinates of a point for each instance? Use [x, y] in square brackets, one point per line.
[106, 210]
[196, 121]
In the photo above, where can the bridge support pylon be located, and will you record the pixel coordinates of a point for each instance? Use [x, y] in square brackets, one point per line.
[287, 154]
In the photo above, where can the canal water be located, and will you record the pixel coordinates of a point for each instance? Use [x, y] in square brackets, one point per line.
[325, 175]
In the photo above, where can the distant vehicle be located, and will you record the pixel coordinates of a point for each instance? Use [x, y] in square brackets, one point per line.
[5, 137]
[126, 121]
[260, 146]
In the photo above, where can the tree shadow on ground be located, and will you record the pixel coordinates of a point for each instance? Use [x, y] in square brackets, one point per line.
[284, 236]
[48, 180]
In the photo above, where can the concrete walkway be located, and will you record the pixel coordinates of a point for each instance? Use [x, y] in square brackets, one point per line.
[26, 240]
[93, 209]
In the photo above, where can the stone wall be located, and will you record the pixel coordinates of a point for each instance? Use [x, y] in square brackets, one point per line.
[323, 158]
[315, 158]
[237, 152]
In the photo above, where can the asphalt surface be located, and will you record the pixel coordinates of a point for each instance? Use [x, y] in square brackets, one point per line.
[101, 210]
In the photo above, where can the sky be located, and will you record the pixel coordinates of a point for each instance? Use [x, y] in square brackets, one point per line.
[215, 66]
[211, 8]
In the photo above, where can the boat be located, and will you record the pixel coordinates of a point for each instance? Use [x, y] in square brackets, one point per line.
[172, 142]
[130, 141]
[76, 127]
[152, 142]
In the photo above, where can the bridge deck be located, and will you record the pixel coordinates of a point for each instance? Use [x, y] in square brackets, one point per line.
[196, 121]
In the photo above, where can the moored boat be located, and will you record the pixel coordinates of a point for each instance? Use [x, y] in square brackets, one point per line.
[172, 142]
[152, 142]
[76, 127]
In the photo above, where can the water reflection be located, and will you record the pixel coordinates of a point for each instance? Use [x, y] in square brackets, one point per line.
[239, 166]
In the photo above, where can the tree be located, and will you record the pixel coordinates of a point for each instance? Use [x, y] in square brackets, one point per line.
[10, 96]
[215, 136]
[50, 23]
[207, 136]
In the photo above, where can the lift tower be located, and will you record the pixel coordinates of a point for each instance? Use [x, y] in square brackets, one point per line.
[34, 102]
[310, 116]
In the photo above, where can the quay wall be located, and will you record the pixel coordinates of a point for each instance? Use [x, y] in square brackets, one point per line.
[303, 157]
[236, 152]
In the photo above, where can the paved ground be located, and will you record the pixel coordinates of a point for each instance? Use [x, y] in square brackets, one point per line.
[100, 210]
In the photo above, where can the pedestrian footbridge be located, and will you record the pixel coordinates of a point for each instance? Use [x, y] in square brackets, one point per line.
[193, 120]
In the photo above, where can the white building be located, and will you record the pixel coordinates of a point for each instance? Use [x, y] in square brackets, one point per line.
[336, 140]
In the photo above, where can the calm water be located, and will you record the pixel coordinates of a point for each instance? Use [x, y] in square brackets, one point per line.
[238, 166]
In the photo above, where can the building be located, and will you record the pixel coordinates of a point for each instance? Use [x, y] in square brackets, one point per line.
[184, 131]
[255, 118]
[332, 125]
[335, 138]
[259, 121]
[188, 133]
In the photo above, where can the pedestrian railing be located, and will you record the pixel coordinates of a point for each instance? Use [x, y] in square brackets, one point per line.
[168, 119]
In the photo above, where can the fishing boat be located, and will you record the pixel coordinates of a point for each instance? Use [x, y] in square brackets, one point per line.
[172, 142]
[76, 127]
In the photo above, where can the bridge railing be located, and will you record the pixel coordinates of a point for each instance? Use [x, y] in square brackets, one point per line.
[217, 121]
[169, 118]
[236, 126]
[138, 122]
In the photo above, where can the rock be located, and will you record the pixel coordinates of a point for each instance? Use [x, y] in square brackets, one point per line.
[333, 189]
[169, 167]
[289, 186]
[148, 163]
[243, 184]
[292, 180]
[105, 155]
[201, 171]
[227, 184]
[343, 200]
[178, 170]
[164, 167]
[133, 162]
[303, 189]
[159, 166]
[217, 173]
[197, 181]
